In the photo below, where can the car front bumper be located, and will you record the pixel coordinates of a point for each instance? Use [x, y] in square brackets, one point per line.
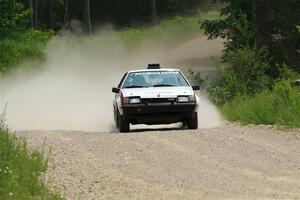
[159, 113]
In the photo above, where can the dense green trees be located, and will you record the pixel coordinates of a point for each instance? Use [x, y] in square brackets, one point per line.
[55, 14]
[262, 43]
[45, 14]
[16, 42]
[271, 24]
[13, 16]
[135, 12]
[26, 25]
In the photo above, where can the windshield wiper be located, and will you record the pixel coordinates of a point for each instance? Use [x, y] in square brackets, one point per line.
[135, 86]
[164, 85]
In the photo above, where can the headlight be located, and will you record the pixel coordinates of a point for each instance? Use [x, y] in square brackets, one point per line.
[183, 100]
[135, 101]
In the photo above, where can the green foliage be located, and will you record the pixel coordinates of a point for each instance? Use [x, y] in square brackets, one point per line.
[261, 37]
[235, 29]
[51, 14]
[286, 73]
[245, 76]
[173, 30]
[280, 106]
[261, 24]
[20, 46]
[21, 170]
[248, 67]
[250, 110]
[13, 16]
[133, 13]
[298, 27]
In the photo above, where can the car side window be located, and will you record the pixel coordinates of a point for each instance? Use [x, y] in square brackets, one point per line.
[122, 80]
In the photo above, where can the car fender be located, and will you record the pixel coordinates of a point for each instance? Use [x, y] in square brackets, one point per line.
[197, 102]
[118, 105]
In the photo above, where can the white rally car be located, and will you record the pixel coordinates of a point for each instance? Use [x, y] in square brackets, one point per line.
[155, 96]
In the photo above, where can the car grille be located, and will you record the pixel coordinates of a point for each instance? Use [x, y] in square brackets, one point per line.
[159, 100]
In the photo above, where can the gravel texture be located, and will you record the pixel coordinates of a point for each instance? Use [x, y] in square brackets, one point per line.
[230, 162]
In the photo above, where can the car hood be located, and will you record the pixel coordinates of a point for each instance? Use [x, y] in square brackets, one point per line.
[158, 92]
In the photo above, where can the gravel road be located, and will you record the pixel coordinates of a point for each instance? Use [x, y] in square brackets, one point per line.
[229, 162]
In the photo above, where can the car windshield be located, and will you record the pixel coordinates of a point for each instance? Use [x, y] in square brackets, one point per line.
[155, 79]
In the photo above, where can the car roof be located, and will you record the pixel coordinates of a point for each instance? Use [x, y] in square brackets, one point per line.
[154, 70]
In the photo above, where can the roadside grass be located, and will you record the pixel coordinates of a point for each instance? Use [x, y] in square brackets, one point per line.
[21, 170]
[281, 106]
[246, 93]
[20, 46]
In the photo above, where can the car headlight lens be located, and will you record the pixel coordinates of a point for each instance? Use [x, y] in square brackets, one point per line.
[135, 101]
[183, 99]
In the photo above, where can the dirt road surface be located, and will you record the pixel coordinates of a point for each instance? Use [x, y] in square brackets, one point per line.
[229, 162]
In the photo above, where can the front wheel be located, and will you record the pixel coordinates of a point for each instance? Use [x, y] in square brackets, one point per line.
[123, 124]
[192, 123]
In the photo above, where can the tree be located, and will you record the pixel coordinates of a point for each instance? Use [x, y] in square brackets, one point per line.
[299, 33]
[55, 14]
[262, 23]
[51, 14]
[13, 16]
[154, 11]
[67, 13]
[36, 14]
[31, 14]
[87, 16]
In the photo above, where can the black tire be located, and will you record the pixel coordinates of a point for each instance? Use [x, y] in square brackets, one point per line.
[123, 124]
[116, 119]
[192, 123]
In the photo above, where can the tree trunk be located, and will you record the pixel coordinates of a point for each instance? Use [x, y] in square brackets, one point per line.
[154, 11]
[87, 16]
[255, 23]
[31, 14]
[51, 21]
[36, 9]
[67, 14]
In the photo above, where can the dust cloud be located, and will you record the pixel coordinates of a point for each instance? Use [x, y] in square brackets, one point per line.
[208, 114]
[71, 90]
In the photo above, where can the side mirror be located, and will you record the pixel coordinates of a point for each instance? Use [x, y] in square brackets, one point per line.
[196, 87]
[116, 90]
